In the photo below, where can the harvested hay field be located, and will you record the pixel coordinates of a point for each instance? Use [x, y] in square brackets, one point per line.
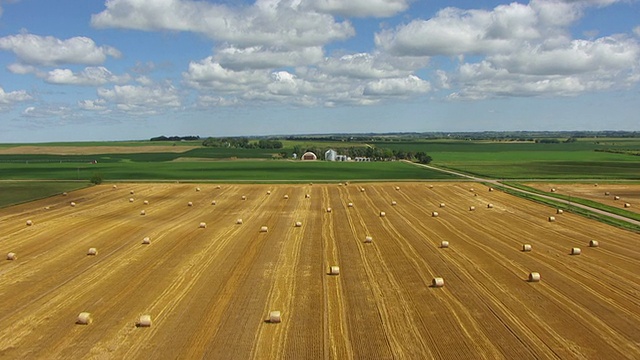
[212, 292]
[602, 193]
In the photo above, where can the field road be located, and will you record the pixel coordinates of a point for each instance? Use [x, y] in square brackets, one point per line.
[209, 290]
[499, 183]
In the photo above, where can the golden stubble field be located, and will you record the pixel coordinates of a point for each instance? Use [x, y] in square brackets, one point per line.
[625, 196]
[209, 290]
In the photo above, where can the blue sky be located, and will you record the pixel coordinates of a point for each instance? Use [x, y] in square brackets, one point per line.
[133, 69]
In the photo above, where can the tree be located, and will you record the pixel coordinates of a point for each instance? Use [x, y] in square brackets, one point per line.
[96, 179]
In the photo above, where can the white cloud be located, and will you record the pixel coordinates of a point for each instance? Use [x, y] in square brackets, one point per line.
[636, 30]
[360, 8]
[208, 73]
[22, 69]
[50, 51]
[259, 57]
[142, 99]
[401, 87]
[93, 105]
[90, 76]
[9, 99]
[59, 111]
[371, 66]
[271, 23]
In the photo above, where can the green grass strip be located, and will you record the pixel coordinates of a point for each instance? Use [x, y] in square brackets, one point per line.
[18, 192]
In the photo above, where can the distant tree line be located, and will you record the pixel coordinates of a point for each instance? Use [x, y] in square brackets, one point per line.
[242, 143]
[174, 138]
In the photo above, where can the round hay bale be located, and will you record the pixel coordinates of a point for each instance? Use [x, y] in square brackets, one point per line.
[203, 225]
[339, 184]
[143, 212]
[627, 205]
[472, 189]
[29, 222]
[368, 239]
[382, 214]
[437, 282]
[130, 199]
[361, 189]
[264, 229]
[144, 321]
[607, 193]
[72, 204]
[306, 196]
[146, 240]
[397, 187]
[244, 197]
[286, 196]
[490, 189]
[434, 214]
[146, 202]
[239, 221]
[552, 218]
[92, 251]
[197, 189]
[12, 256]
[298, 224]
[489, 206]
[334, 270]
[189, 203]
[616, 197]
[444, 244]
[596, 184]
[274, 317]
[268, 192]
[526, 247]
[84, 318]
[553, 189]
[576, 251]
[47, 207]
[430, 186]
[328, 209]
[394, 203]
[131, 192]
[534, 277]
[64, 193]
[218, 187]
[442, 205]
[559, 211]
[350, 204]
[115, 186]
[472, 208]
[213, 202]
[594, 243]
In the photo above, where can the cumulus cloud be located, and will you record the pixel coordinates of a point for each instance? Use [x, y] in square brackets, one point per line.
[371, 66]
[259, 57]
[397, 87]
[93, 105]
[59, 111]
[90, 76]
[50, 51]
[210, 74]
[9, 99]
[636, 30]
[141, 99]
[278, 23]
[360, 8]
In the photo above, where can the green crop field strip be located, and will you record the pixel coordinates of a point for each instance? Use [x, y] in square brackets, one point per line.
[18, 192]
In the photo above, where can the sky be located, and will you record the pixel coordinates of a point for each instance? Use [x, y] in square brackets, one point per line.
[77, 70]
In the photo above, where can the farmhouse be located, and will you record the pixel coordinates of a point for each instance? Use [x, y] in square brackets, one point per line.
[309, 156]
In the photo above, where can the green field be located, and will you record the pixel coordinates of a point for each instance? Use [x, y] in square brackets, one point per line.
[246, 170]
[18, 192]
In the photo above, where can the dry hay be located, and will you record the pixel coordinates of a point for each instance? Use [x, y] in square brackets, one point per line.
[131, 192]
[130, 199]
[286, 196]
[92, 251]
[72, 204]
[144, 321]
[534, 277]
[146, 202]
[444, 244]
[244, 197]
[576, 251]
[64, 193]
[29, 222]
[553, 189]
[213, 202]
[616, 197]
[382, 214]
[472, 208]
[115, 187]
[274, 317]
[218, 187]
[627, 205]
[594, 243]
[203, 225]
[84, 318]
[552, 218]
[434, 214]
[393, 203]
[607, 193]
[268, 192]
[264, 229]
[143, 212]
[442, 205]
[328, 209]
[298, 224]
[489, 206]
[490, 189]
[189, 203]
[526, 247]
[146, 240]
[361, 189]
[350, 204]
[368, 239]
[306, 196]
[197, 189]
[334, 270]
[437, 282]
[239, 221]
[559, 211]
[397, 187]
[430, 186]
[12, 256]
